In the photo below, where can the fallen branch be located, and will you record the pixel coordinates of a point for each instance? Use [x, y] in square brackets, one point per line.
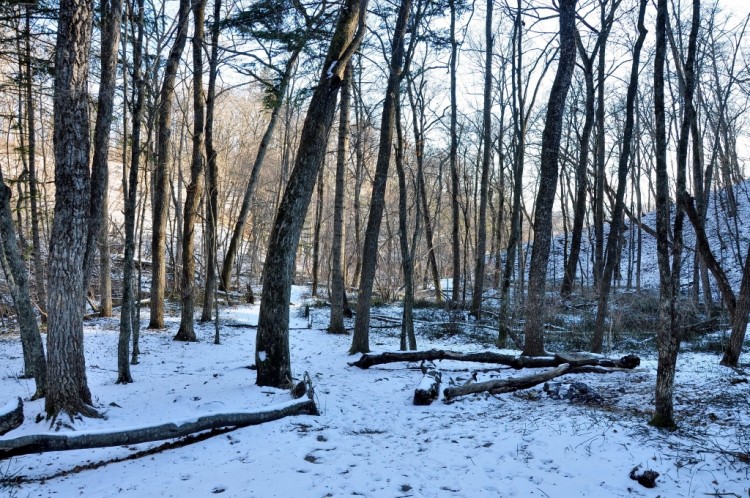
[505, 385]
[428, 389]
[11, 416]
[39, 443]
[517, 362]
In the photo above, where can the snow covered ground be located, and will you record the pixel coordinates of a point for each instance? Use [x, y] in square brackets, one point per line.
[370, 440]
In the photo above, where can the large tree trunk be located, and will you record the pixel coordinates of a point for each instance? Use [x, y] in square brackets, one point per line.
[212, 173]
[35, 364]
[361, 340]
[534, 328]
[272, 343]
[160, 196]
[67, 388]
[338, 289]
[476, 299]
[195, 188]
[612, 258]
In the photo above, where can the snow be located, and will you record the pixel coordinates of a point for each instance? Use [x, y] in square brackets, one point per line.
[331, 68]
[370, 440]
[8, 407]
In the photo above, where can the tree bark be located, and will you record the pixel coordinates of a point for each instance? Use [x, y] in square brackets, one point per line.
[195, 188]
[453, 158]
[35, 364]
[272, 344]
[212, 173]
[111, 16]
[39, 268]
[534, 332]
[160, 196]
[130, 293]
[360, 339]
[67, 389]
[476, 298]
[338, 290]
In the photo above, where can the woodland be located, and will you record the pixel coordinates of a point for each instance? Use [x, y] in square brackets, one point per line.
[559, 182]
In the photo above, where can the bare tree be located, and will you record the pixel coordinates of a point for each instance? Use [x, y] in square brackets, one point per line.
[534, 328]
[272, 344]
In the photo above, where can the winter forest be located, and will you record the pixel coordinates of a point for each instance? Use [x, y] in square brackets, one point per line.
[384, 248]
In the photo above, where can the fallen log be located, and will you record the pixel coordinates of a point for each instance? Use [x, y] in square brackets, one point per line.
[40, 443]
[518, 362]
[428, 389]
[500, 386]
[11, 416]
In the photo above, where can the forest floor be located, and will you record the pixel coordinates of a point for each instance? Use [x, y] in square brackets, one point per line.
[370, 440]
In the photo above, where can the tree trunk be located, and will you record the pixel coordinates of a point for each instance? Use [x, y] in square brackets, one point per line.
[195, 188]
[67, 389]
[35, 364]
[579, 211]
[407, 258]
[39, 268]
[212, 173]
[613, 239]
[455, 242]
[111, 15]
[272, 343]
[476, 299]
[316, 229]
[534, 328]
[338, 290]
[160, 196]
[360, 339]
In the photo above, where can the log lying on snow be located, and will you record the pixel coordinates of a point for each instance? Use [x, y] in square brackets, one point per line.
[428, 389]
[517, 362]
[11, 416]
[39, 443]
[506, 385]
[500, 386]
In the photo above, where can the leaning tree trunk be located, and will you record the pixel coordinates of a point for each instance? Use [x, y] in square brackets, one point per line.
[534, 328]
[35, 364]
[195, 188]
[612, 258]
[361, 339]
[160, 196]
[338, 290]
[272, 343]
[67, 389]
